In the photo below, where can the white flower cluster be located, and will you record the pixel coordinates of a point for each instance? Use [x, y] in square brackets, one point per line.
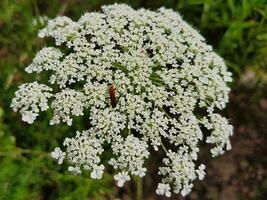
[58, 155]
[179, 172]
[46, 59]
[147, 78]
[130, 154]
[221, 131]
[84, 151]
[67, 102]
[30, 99]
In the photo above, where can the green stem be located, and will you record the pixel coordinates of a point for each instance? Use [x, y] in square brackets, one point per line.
[161, 109]
[36, 9]
[139, 189]
[19, 151]
[164, 148]
[63, 8]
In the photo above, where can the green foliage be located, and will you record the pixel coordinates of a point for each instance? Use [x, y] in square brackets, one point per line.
[236, 28]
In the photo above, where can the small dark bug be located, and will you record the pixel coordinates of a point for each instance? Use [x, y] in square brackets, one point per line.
[112, 95]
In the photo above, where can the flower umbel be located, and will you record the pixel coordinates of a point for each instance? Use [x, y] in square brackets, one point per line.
[58, 155]
[122, 177]
[146, 78]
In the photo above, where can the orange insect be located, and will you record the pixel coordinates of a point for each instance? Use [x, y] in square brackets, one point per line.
[112, 95]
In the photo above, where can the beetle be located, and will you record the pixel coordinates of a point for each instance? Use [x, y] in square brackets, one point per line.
[112, 95]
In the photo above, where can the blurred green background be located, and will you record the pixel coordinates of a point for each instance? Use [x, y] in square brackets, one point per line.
[237, 29]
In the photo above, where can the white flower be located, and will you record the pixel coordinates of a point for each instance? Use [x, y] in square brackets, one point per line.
[67, 102]
[221, 131]
[61, 28]
[46, 59]
[180, 171]
[74, 170]
[97, 172]
[58, 154]
[201, 173]
[169, 85]
[84, 151]
[186, 189]
[30, 99]
[28, 116]
[164, 189]
[122, 177]
[130, 155]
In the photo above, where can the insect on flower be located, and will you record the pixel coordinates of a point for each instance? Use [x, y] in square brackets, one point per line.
[112, 95]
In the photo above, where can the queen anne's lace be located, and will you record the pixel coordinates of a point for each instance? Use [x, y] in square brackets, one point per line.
[30, 99]
[67, 102]
[83, 151]
[46, 59]
[130, 154]
[180, 171]
[167, 85]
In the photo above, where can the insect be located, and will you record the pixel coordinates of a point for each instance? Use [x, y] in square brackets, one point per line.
[112, 95]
